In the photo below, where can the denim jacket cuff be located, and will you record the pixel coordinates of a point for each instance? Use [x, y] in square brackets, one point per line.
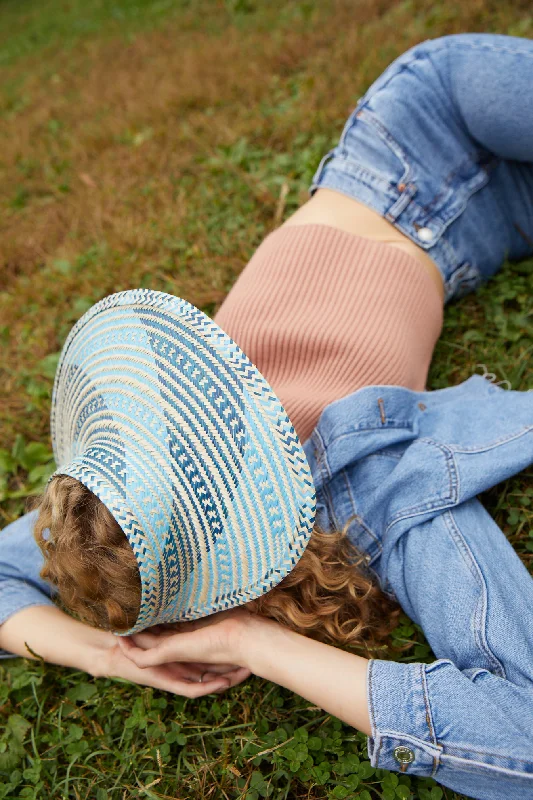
[402, 737]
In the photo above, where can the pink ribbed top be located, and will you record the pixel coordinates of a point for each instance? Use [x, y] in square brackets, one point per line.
[322, 312]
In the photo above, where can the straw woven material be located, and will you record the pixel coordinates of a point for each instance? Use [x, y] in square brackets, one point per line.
[163, 417]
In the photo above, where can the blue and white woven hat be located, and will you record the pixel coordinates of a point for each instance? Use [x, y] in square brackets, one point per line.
[163, 417]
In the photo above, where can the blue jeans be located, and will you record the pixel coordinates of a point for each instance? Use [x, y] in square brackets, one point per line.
[441, 145]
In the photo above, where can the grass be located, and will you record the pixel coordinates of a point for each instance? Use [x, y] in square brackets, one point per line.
[146, 144]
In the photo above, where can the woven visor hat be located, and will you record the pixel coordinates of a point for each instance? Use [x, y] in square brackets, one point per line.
[162, 416]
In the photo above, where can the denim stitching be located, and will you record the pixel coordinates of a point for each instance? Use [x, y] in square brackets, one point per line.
[372, 119]
[440, 501]
[358, 519]
[416, 52]
[348, 125]
[479, 630]
[334, 181]
[492, 445]
[372, 711]
[330, 506]
[399, 735]
[429, 718]
[446, 184]
[384, 453]
[416, 741]
[440, 504]
[473, 766]
[320, 168]
[365, 427]
[470, 186]
[478, 181]
[322, 461]
[451, 748]
[359, 172]
[476, 672]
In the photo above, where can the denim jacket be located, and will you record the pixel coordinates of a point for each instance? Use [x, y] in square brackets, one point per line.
[406, 466]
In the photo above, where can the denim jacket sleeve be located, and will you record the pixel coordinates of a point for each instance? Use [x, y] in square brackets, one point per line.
[405, 467]
[20, 563]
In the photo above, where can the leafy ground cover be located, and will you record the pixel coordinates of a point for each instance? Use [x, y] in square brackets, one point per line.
[155, 143]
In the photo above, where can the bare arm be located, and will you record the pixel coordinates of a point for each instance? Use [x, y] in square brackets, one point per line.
[60, 639]
[327, 676]
[330, 678]
[55, 636]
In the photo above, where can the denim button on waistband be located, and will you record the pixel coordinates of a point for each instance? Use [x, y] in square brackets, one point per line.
[404, 755]
[425, 234]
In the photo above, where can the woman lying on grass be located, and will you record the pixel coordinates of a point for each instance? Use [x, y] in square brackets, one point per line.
[187, 515]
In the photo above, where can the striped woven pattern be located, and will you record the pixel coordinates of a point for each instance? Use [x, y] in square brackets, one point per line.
[162, 416]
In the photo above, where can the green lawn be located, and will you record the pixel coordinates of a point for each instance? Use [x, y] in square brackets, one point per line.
[146, 143]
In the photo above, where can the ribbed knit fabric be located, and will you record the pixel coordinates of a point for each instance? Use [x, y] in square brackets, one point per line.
[322, 312]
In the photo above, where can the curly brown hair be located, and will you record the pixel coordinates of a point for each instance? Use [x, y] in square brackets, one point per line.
[328, 596]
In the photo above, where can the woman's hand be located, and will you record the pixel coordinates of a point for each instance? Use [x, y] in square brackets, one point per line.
[178, 675]
[214, 645]
[327, 676]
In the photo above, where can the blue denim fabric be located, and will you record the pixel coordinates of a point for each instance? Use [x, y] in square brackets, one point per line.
[406, 467]
[20, 563]
[439, 145]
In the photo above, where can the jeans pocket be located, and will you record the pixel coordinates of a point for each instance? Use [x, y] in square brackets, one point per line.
[367, 148]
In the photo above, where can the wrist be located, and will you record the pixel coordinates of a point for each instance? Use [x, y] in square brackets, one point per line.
[257, 638]
[100, 656]
[327, 676]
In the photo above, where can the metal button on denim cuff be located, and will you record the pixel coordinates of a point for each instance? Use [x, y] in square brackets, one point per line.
[426, 235]
[404, 755]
